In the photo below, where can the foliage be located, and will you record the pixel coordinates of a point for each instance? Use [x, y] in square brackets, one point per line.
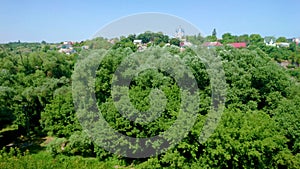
[281, 39]
[247, 140]
[125, 43]
[98, 43]
[156, 38]
[56, 146]
[11, 152]
[175, 41]
[58, 117]
[79, 144]
[259, 127]
[287, 116]
[211, 38]
[29, 81]
[196, 39]
[45, 160]
[228, 38]
[255, 39]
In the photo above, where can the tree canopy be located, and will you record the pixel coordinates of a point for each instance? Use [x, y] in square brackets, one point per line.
[259, 127]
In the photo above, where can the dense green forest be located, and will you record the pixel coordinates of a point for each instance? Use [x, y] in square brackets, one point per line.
[259, 127]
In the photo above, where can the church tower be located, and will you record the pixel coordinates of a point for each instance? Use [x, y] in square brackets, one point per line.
[179, 33]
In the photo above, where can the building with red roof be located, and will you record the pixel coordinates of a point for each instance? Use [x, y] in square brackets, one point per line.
[238, 44]
[212, 44]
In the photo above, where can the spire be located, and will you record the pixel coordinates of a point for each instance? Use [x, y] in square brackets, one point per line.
[179, 32]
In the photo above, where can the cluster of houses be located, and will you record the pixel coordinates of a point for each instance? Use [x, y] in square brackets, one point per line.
[67, 47]
[179, 35]
[184, 43]
[271, 41]
[140, 45]
[235, 45]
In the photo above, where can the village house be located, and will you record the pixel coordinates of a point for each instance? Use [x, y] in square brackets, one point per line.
[296, 40]
[238, 44]
[66, 47]
[137, 42]
[215, 44]
[282, 44]
[270, 41]
[212, 44]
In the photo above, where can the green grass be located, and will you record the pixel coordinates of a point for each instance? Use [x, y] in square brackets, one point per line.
[35, 156]
[43, 160]
[8, 128]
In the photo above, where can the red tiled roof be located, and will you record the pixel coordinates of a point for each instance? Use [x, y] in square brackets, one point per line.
[207, 44]
[238, 45]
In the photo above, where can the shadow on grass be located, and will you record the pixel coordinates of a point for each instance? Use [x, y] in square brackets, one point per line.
[14, 138]
[8, 137]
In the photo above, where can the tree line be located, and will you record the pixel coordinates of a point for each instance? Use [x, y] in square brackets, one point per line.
[259, 127]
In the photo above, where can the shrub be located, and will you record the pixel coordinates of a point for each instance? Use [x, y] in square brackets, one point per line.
[57, 146]
[80, 144]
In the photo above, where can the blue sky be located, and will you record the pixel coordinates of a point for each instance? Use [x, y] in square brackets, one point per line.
[59, 20]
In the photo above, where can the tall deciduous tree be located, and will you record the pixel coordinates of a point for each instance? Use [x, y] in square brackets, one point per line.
[281, 39]
[175, 41]
[228, 38]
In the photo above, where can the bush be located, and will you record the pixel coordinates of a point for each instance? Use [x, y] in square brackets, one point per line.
[45, 161]
[80, 144]
[57, 146]
[11, 152]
